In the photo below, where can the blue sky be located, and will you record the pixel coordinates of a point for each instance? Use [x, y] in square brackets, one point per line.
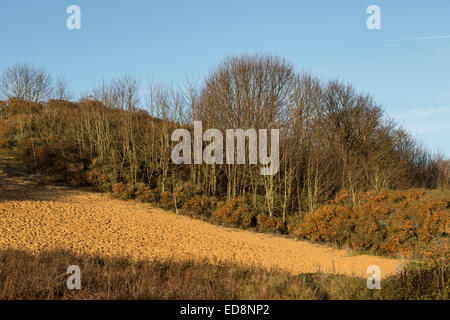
[169, 41]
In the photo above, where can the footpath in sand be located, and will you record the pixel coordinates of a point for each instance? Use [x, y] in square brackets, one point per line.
[36, 216]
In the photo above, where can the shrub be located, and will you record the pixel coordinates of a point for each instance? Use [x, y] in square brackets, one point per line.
[232, 212]
[270, 224]
[166, 200]
[386, 222]
[328, 223]
[5, 129]
[248, 221]
[181, 194]
[197, 205]
[123, 191]
[146, 194]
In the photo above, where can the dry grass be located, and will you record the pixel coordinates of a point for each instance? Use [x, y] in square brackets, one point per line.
[43, 276]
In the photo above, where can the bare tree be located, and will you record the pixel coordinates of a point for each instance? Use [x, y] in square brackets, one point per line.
[61, 90]
[127, 90]
[26, 82]
[120, 93]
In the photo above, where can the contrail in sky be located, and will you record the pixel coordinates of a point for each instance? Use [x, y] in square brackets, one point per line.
[447, 36]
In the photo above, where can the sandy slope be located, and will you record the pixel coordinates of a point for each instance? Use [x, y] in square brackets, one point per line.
[35, 216]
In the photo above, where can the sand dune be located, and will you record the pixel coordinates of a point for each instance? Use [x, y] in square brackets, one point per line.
[36, 216]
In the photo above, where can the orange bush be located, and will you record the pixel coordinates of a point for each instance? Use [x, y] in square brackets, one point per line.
[248, 221]
[233, 212]
[123, 191]
[145, 193]
[387, 221]
[270, 224]
[436, 252]
[197, 205]
[166, 200]
[79, 178]
[331, 223]
[118, 188]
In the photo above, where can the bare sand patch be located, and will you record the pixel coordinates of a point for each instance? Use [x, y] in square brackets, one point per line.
[36, 217]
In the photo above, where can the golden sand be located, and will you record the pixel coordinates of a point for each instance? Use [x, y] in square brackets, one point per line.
[36, 217]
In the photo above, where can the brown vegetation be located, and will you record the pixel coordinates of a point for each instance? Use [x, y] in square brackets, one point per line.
[387, 222]
[43, 276]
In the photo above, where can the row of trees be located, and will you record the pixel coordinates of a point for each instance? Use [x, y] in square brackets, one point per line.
[331, 137]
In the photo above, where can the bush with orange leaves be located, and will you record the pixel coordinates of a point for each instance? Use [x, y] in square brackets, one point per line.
[270, 224]
[173, 200]
[386, 222]
[329, 223]
[248, 221]
[146, 194]
[166, 200]
[79, 178]
[197, 205]
[123, 191]
[234, 212]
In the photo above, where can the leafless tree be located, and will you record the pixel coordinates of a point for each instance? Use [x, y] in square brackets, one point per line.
[120, 93]
[61, 90]
[26, 82]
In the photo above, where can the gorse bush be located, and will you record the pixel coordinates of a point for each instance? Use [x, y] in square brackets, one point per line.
[239, 213]
[166, 200]
[331, 223]
[197, 205]
[123, 191]
[232, 212]
[146, 194]
[386, 222]
[270, 224]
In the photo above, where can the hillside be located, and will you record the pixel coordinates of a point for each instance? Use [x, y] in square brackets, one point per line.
[37, 217]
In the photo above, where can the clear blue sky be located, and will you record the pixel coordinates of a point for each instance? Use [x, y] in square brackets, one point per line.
[169, 41]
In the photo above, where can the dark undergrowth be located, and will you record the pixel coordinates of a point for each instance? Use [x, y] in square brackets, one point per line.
[43, 276]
